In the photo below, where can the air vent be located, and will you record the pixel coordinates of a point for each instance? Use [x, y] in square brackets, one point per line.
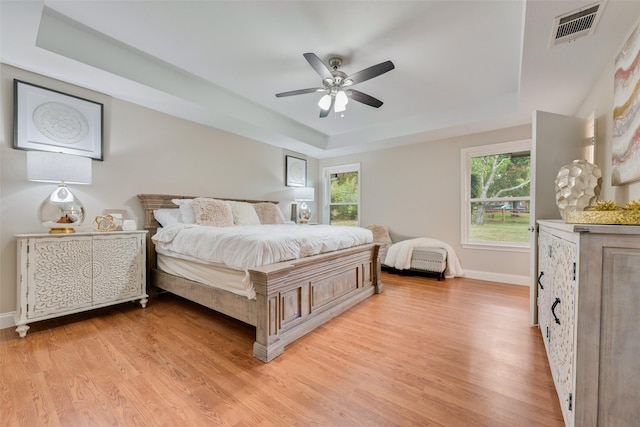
[576, 24]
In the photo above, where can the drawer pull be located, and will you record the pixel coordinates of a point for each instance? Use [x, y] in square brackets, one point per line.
[553, 307]
[539, 283]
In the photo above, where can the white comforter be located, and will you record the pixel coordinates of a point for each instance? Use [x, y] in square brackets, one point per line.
[245, 247]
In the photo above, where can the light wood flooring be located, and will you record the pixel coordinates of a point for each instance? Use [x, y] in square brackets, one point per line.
[458, 352]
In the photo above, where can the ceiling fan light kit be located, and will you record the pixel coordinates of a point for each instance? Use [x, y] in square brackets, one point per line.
[335, 82]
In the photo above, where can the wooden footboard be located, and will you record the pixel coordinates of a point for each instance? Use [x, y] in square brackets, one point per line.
[293, 297]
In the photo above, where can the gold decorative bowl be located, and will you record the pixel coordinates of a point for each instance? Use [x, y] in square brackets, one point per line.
[618, 217]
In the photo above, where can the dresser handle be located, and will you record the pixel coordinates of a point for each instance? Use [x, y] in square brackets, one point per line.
[539, 283]
[553, 307]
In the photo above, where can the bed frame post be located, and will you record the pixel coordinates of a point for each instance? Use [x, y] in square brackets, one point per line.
[268, 312]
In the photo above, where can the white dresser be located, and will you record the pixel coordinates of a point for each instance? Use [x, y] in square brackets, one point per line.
[589, 317]
[60, 274]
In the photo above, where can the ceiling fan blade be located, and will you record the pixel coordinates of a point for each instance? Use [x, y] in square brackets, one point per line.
[318, 65]
[325, 113]
[356, 95]
[371, 72]
[300, 91]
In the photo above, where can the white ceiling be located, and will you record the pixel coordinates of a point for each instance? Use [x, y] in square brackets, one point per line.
[461, 66]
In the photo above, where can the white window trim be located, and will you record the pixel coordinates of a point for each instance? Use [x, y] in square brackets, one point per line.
[326, 179]
[465, 165]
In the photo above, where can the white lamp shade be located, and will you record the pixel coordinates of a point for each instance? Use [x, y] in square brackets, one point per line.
[303, 194]
[44, 166]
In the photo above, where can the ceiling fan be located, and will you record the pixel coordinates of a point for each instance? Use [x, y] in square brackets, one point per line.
[337, 85]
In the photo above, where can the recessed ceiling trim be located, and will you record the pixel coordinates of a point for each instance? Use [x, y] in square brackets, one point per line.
[576, 24]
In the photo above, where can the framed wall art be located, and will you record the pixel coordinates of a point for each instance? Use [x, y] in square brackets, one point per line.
[625, 145]
[48, 120]
[295, 172]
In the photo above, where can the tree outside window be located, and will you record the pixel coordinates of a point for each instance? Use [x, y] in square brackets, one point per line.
[343, 187]
[498, 195]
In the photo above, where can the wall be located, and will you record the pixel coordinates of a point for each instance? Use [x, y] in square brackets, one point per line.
[145, 152]
[415, 190]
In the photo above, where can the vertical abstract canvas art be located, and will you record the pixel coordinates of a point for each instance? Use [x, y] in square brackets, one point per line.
[625, 153]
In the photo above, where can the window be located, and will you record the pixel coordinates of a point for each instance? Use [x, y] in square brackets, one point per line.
[496, 195]
[342, 195]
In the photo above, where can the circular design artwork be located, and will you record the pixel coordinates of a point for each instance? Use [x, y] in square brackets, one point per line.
[577, 186]
[60, 123]
[296, 173]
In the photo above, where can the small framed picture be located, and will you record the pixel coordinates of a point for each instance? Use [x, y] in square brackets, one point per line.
[48, 120]
[296, 172]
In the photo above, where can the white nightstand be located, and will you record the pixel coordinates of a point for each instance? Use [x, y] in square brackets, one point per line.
[61, 274]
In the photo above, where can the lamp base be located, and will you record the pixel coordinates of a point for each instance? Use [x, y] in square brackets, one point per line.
[62, 230]
[304, 213]
[61, 212]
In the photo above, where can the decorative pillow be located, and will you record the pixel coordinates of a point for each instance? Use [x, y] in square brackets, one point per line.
[244, 213]
[212, 212]
[167, 217]
[380, 234]
[269, 213]
[186, 210]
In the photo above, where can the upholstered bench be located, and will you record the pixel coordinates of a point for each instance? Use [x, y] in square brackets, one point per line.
[424, 260]
[431, 260]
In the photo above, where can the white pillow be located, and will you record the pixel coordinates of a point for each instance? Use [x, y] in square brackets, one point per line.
[186, 210]
[167, 217]
[244, 213]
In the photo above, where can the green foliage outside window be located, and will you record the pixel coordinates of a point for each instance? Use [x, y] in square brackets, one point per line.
[505, 180]
[344, 199]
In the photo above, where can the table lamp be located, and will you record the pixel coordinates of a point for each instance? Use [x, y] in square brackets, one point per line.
[61, 212]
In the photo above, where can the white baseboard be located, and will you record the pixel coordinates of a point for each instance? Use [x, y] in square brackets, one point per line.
[7, 321]
[511, 279]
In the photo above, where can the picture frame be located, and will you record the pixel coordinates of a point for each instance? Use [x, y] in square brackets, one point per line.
[625, 156]
[48, 120]
[295, 172]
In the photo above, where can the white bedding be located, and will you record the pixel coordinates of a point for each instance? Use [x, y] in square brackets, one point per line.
[208, 274]
[245, 247]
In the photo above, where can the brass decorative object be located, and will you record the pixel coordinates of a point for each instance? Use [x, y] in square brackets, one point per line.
[104, 223]
[607, 212]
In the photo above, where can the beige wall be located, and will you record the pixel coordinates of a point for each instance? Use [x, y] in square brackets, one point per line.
[415, 190]
[145, 152]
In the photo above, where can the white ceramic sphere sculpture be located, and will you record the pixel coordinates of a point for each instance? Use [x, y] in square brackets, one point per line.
[578, 185]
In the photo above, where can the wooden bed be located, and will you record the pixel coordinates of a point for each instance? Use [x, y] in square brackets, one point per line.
[292, 298]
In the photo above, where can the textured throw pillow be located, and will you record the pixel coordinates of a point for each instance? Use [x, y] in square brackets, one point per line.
[186, 210]
[212, 212]
[167, 217]
[244, 213]
[380, 234]
[269, 213]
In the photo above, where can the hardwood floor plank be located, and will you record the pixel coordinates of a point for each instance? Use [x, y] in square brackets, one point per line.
[455, 352]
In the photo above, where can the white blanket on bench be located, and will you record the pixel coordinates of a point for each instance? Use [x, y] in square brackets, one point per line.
[399, 255]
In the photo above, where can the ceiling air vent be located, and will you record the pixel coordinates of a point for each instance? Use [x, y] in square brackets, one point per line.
[576, 24]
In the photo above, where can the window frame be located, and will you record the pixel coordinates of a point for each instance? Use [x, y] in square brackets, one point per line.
[465, 166]
[326, 175]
